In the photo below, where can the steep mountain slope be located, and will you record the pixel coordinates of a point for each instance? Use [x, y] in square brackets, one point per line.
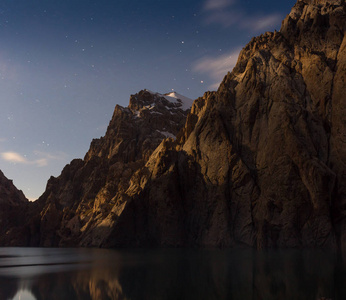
[261, 162]
[9, 193]
[12, 204]
[82, 204]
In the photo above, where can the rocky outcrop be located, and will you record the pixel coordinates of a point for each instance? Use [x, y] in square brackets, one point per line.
[81, 206]
[9, 194]
[260, 162]
[12, 208]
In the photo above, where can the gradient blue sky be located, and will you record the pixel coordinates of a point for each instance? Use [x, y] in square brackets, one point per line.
[65, 64]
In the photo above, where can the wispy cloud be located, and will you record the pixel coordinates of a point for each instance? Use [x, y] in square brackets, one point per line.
[51, 156]
[216, 67]
[226, 14]
[13, 157]
[223, 18]
[261, 23]
[42, 161]
[2, 140]
[16, 158]
[217, 4]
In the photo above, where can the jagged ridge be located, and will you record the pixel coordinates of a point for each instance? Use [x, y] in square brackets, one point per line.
[260, 162]
[13, 204]
[81, 206]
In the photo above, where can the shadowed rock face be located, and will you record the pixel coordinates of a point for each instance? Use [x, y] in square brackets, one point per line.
[12, 209]
[9, 194]
[260, 162]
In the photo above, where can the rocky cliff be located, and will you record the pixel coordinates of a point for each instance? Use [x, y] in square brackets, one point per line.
[9, 194]
[82, 205]
[260, 162]
[12, 204]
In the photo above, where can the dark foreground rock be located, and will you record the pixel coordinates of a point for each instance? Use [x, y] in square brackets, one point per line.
[12, 209]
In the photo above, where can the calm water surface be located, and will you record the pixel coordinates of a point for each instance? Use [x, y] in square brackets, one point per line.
[34, 274]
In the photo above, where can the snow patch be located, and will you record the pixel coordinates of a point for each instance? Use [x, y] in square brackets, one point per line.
[183, 102]
[186, 103]
[137, 114]
[150, 107]
[167, 134]
[156, 112]
[151, 92]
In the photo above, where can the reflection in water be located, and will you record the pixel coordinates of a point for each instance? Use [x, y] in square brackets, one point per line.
[29, 273]
[24, 295]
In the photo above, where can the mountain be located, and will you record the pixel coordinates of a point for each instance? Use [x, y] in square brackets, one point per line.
[13, 204]
[82, 205]
[9, 194]
[260, 162]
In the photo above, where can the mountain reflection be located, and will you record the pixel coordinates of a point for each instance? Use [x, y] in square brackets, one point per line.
[169, 274]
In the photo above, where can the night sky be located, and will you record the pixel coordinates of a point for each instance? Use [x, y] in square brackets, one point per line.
[65, 64]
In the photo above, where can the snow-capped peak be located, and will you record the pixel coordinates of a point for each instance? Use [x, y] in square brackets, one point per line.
[174, 97]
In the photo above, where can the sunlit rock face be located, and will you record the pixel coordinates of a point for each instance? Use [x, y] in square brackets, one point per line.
[83, 204]
[260, 162]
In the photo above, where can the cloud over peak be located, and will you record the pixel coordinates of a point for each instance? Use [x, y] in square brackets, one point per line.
[13, 157]
[216, 67]
[45, 158]
[227, 14]
[261, 23]
[16, 158]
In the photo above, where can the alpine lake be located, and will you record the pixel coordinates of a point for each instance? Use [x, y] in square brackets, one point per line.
[238, 274]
